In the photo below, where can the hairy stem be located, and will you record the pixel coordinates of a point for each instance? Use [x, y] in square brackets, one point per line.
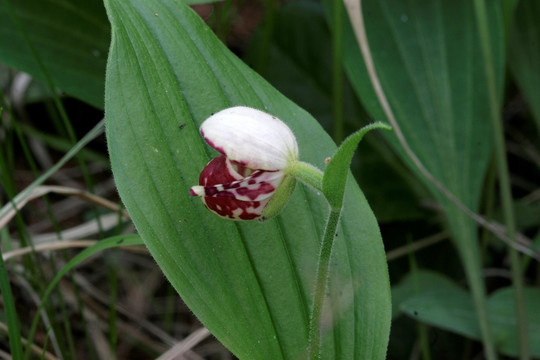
[312, 176]
[321, 276]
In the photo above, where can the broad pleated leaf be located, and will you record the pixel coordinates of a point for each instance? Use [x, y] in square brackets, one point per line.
[249, 283]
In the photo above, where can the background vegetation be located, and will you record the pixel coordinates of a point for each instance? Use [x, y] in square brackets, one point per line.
[451, 71]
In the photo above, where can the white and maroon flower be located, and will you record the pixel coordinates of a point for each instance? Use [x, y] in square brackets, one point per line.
[249, 180]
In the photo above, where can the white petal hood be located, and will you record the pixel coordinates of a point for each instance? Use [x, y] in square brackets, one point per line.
[251, 138]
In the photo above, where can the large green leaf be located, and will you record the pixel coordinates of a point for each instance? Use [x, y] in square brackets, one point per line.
[428, 58]
[63, 40]
[436, 300]
[427, 55]
[249, 283]
[524, 53]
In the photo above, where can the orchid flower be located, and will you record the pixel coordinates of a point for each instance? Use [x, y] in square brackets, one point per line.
[255, 175]
[250, 179]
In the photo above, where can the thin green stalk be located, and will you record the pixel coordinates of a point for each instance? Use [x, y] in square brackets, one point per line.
[45, 343]
[35, 172]
[112, 276]
[422, 329]
[7, 182]
[112, 242]
[59, 143]
[502, 171]
[321, 281]
[312, 176]
[10, 312]
[337, 72]
[466, 239]
[64, 318]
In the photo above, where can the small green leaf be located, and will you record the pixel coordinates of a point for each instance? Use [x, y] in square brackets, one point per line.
[336, 173]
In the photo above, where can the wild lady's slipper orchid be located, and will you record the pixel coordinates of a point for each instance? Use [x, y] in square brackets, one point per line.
[250, 179]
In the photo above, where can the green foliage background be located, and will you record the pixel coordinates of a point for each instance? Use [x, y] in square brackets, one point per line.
[250, 284]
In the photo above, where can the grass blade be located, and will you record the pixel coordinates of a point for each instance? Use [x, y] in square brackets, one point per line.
[10, 313]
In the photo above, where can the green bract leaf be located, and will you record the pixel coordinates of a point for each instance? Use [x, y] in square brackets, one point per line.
[335, 175]
[251, 284]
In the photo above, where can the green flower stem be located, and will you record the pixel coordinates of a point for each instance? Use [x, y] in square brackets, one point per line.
[312, 176]
[306, 173]
[321, 278]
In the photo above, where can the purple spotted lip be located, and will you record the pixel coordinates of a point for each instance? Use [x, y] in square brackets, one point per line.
[227, 193]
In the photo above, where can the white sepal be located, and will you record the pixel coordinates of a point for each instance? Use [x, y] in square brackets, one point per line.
[251, 138]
